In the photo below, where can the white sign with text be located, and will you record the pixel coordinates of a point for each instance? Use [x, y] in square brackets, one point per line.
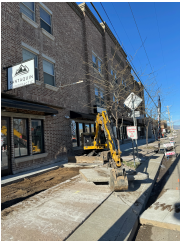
[21, 75]
[132, 132]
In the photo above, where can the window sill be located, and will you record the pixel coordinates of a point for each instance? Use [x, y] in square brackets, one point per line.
[38, 83]
[28, 20]
[53, 88]
[50, 36]
[31, 157]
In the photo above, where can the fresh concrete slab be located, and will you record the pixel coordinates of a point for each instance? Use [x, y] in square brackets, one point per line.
[55, 213]
[117, 218]
[162, 213]
[102, 174]
[85, 159]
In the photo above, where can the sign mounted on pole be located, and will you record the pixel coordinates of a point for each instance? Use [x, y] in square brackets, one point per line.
[169, 153]
[21, 75]
[132, 98]
[132, 132]
[168, 145]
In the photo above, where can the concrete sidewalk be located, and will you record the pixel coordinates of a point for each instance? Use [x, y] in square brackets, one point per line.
[78, 210]
[117, 217]
[7, 180]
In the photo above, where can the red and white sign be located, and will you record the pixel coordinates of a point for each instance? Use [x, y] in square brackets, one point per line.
[170, 153]
[168, 145]
[132, 132]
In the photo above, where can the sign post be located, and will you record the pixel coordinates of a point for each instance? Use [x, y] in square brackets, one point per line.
[132, 134]
[132, 102]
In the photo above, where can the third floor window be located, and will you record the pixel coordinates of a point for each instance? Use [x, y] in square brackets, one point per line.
[28, 9]
[45, 20]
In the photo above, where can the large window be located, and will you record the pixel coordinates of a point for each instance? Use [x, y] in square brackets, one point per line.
[80, 132]
[99, 96]
[97, 63]
[20, 132]
[45, 20]
[28, 9]
[114, 75]
[74, 133]
[87, 128]
[29, 55]
[48, 73]
[37, 136]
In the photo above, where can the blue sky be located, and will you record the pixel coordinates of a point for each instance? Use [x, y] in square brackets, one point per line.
[159, 26]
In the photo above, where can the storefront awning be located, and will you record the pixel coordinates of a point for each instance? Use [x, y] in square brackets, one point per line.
[11, 103]
[77, 115]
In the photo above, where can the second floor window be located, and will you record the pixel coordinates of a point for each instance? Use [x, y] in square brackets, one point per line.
[29, 55]
[114, 75]
[28, 9]
[97, 63]
[48, 73]
[45, 20]
[99, 96]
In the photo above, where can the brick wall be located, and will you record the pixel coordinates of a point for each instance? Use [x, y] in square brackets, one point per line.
[76, 34]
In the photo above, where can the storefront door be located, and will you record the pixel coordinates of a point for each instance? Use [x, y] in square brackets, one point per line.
[5, 147]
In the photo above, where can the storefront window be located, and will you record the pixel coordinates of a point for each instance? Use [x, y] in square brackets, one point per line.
[37, 136]
[87, 129]
[80, 132]
[73, 133]
[92, 128]
[20, 131]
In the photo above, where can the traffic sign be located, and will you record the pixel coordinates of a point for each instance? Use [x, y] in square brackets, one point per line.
[132, 98]
[168, 145]
[132, 132]
[170, 153]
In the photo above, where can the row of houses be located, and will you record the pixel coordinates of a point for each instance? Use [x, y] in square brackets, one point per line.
[41, 123]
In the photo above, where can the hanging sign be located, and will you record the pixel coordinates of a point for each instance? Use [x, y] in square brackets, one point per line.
[132, 132]
[21, 75]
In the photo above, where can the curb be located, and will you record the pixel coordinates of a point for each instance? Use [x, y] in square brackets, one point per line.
[136, 224]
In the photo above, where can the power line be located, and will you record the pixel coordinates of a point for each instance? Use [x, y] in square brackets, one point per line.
[126, 53]
[159, 37]
[125, 30]
[140, 37]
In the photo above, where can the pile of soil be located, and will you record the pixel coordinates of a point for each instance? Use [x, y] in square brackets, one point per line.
[19, 191]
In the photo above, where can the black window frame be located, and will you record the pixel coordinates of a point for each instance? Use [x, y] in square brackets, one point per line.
[43, 142]
[27, 133]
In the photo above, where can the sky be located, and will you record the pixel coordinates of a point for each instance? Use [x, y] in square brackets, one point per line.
[150, 34]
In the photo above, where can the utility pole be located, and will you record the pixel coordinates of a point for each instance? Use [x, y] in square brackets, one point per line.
[159, 114]
[134, 124]
[169, 116]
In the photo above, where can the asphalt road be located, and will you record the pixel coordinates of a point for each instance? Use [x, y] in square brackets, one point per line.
[168, 178]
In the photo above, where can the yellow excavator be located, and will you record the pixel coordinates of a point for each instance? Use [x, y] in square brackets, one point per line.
[102, 139]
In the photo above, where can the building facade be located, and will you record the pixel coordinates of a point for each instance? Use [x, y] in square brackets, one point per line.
[42, 123]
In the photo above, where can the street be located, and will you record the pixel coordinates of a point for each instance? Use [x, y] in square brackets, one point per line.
[168, 179]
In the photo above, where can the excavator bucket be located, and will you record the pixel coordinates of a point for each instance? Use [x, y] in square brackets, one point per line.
[118, 182]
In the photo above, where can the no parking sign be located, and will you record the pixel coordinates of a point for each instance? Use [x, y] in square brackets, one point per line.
[132, 132]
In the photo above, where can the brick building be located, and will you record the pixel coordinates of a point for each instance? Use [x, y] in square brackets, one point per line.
[42, 123]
